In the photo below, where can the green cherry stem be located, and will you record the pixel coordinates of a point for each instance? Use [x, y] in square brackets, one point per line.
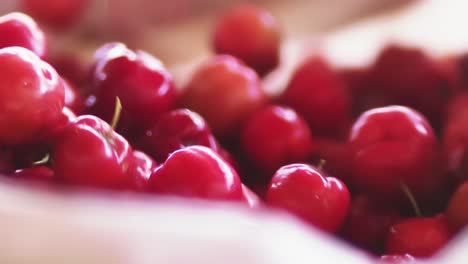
[117, 111]
[411, 198]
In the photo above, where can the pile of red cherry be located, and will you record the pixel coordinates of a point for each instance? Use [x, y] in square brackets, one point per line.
[373, 155]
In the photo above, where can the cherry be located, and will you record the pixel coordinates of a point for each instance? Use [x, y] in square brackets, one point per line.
[143, 85]
[175, 130]
[457, 215]
[67, 116]
[7, 164]
[90, 153]
[73, 99]
[70, 67]
[304, 191]
[225, 92]
[31, 96]
[252, 35]
[391, 146]
[36, 174]
[368, 222]
[18, 29]
[140, 170]
[275, 136]
[419, 237]
[396, 259]
[314, 90]
[196, 171]
[55, 13]
[408, 76]
[250, 198]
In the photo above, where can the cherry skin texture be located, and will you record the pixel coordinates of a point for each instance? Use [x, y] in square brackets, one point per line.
[140, 171]
[175, 130]
[250, 34]
[18, 29]
[320, 96]
[225, 92]
[304, 191]
[89, 153]
[55, 13]
[368, 222]
[275, 136]
[250, 198]
[31, 96]
[197, 172]
[144, 87]
[419, 237]
[394, 145]
[457, 215]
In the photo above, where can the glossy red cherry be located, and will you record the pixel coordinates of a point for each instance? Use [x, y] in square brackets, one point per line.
[304, 191]
[250, 198]
[252, 35]
[408, 76]
[66, 118]
[18, 29]
[457, 215]
[140, 170]
[419, 237]
[37, 174]
[90, 153]
[396, 259]
[55, 13]
[275, 136]
[368, 222]
[144, 87]
[198, 172]
[31, 96]
[314, 90]
[175, 130]
[225, 92]
[391, 146]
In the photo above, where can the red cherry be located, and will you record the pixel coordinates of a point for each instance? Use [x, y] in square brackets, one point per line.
[36, 174]
[7, 164]
[252, 35]
[304, 191]
[225, 92]
[140, 170]
[31, 96]
[419, 237]
[457, 215]
[275, 136]
[70, 67]
[250, 198]
[391, 146]
[90, 153]
[66, 118]
[407, 76]
[17, 29]
[141, 82]
[175, 130]
[368, 222]
[56, 13]
[315, 90]
[199, 172]
[396, 259]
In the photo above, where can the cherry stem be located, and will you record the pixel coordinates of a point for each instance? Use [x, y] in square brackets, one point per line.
[411, 198]
[42, 161]
[117, 111]
[321, 164]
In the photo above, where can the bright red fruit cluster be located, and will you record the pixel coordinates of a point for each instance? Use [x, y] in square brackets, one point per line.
[377, 156]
